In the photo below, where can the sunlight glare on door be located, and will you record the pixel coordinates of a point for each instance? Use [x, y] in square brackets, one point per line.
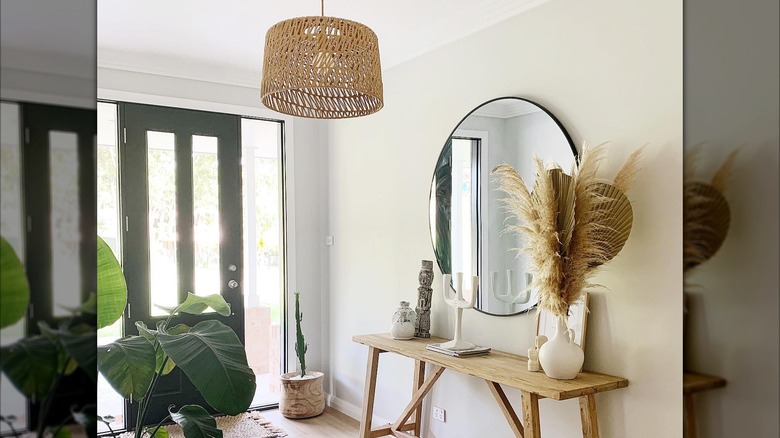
[163, 236]
[205, 203]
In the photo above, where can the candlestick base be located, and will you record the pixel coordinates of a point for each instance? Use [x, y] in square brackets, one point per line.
[457, 345]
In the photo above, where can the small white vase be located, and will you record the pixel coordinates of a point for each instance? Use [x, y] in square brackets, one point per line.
[403, 322]
[560, 357]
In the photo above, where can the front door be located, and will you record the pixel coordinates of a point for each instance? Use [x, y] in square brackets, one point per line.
[181, 224]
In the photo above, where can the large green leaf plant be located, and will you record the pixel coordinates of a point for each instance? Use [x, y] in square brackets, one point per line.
[209, 353]
[36, 364]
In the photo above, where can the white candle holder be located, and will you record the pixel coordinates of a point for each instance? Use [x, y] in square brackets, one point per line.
[457, 301]
[521, 297]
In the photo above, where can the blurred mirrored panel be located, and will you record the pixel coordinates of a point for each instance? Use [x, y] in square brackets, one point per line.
[12, 401]
[731, 243]
[47, 208]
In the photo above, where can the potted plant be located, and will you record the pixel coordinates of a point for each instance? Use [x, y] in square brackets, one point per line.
[208, 353]
[302, 391]
[37, 364]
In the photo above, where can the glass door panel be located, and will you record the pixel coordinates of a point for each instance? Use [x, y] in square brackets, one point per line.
[261, 142]
[205, 209]
[161, 174]
[109, 402]
[65, 233]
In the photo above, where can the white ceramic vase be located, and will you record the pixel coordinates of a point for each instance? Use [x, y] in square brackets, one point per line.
[403, 322]
[560, 357]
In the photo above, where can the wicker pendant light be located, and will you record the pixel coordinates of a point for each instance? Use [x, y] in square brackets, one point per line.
[321, 67]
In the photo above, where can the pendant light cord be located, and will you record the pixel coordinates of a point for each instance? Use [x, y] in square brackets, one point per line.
[323, 8]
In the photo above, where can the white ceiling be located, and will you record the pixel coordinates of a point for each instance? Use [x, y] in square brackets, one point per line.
[65, 28]
[223, 40]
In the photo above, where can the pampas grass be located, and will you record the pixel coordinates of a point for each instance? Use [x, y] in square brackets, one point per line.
[538, 213]
[627, 174]
[563, 260]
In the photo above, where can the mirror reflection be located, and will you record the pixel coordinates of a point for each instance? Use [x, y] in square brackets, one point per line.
[466, 216]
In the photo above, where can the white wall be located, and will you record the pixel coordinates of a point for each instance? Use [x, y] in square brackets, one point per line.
[47, 78]
[610, 71]
[731, 100]
[306, 163]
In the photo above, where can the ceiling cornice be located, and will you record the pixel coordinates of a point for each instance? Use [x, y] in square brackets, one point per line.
[177, 68]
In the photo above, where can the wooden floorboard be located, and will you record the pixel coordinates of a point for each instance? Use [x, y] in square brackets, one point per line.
[331, 424]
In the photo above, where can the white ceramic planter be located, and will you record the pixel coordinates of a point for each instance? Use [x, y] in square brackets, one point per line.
[560, 357]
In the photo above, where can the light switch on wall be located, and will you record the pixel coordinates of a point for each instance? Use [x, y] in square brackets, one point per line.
[329, 240]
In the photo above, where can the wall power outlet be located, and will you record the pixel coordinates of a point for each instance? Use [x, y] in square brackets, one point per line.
[439, 414]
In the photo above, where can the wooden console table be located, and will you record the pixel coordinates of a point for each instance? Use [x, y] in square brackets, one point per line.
[496, 369]
[693, 383]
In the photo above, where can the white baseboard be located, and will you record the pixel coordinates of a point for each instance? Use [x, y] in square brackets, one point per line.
[353, 411]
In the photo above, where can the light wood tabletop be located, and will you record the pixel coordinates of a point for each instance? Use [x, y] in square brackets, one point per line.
[693, 383]
[496, 369]
[504, 368]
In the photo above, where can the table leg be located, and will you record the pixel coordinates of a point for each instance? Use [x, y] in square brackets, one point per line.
[689, 418]
[590, 422]
[531, 414]
[369, 392]
[419, 377]
[506, 408]
[418, 396]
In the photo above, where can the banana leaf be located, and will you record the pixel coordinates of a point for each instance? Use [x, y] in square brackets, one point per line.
[214, 359]
[74, 344]
[195, 305]
[81, 347]
[128, 366]
[31, 364]
[150, 334]
[15, 290]
[111, 286]
[443, 194]
[195, 422]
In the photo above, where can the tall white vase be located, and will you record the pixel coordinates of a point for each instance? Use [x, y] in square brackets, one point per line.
[560, 357]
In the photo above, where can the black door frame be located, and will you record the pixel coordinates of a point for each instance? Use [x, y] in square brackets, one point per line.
[37, 121]
[134, 121]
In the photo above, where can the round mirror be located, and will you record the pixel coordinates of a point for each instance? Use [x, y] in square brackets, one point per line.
[466, 216]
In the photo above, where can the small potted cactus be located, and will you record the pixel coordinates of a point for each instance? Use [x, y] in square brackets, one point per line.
[302, 392]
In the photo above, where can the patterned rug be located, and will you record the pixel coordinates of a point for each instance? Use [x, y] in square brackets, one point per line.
[249, 425]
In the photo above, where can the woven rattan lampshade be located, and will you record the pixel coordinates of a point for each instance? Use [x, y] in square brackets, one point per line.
[322, 68]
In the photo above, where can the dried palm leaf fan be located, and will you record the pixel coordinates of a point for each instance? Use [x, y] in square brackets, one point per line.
[707, 219]
[563, 187]
[706, 212]
[322, 67]
[616, 217]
